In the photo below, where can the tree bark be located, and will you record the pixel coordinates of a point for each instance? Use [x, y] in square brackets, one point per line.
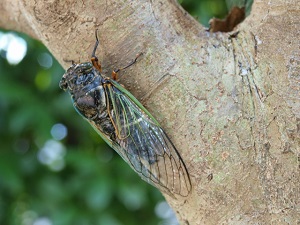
[230, 103]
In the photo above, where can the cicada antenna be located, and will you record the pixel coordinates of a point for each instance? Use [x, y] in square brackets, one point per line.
[94, 58]
[69, 61]
[96, 44]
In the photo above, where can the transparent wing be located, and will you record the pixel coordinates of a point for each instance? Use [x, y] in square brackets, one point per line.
[144, 145]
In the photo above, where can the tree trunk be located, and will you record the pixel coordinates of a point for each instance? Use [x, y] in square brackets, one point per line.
[230, 103]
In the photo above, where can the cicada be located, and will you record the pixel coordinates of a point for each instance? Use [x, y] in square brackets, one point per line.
[126, 126]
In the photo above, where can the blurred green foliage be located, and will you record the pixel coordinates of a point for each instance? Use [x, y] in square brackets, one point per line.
[87, 182]
[94, 186]
[204, 10]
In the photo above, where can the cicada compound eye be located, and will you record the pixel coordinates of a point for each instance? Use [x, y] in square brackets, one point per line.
[63, 84]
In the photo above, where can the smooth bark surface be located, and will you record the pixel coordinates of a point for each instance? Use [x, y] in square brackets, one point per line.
[230, 103]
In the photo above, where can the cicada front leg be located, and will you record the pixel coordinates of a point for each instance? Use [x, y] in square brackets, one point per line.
[114, 74]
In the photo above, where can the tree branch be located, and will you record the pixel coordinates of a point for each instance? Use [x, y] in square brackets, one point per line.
[230, 103]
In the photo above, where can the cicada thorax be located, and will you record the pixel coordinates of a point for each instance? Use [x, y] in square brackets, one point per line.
[91, 102]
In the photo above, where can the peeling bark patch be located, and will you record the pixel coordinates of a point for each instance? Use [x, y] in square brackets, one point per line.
[293, 134]
[210, 177]
[294, 68]
[62, 11]
[286, 148]
[267, 146]
[235, 16]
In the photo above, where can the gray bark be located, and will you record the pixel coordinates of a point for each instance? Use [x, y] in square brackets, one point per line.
[231, 105]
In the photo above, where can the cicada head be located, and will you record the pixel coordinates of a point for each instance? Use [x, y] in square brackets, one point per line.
[80, 78]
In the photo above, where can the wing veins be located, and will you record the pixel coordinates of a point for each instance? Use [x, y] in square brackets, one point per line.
[149, 152]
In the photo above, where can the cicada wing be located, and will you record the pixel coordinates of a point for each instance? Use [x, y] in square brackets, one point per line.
[145, 146]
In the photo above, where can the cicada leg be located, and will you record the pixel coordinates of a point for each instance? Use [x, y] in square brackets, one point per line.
[94, 58]
[114, 74]
[69, 61]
